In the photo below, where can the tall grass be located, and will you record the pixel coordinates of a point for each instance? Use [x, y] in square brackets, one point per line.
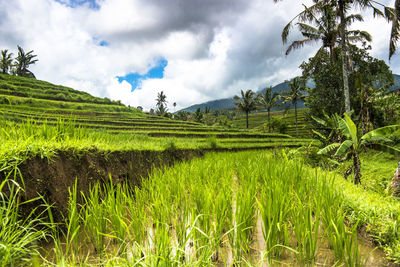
[204, 212]
[19, 235]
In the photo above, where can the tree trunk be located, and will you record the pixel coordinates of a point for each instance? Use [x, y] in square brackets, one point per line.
[344, 55]
[295, 114]
[247, 120]
[357, 168]
[395, 186]
[269, 120]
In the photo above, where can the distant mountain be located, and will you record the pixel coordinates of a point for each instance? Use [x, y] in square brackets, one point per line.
[228, 103]
[396, 85]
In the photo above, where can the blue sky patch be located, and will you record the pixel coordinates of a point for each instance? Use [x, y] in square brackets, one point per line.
[100, 42]
[104, 43]
[135, 79]
[75, 3]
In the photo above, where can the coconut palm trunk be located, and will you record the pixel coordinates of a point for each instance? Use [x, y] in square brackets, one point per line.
[269, 119]
[395, 186]
[342, 16]
[295, 114]
[247, 120]
[357, 168]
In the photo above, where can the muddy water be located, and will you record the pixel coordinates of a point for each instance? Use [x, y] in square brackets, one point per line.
[371, 255]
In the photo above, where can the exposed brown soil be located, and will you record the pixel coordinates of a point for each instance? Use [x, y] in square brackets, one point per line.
[54, 178]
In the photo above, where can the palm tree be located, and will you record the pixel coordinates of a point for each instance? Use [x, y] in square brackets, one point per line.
[327, 31]
[342, 7]
[5, 61]
[22, 62]
[161, 103]
[356, 141]
[269, 100]
[297, 86]
[246, 103]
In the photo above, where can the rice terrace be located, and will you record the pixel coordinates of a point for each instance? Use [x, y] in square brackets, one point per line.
[199, 133]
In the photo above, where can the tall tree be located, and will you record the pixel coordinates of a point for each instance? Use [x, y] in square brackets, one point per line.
[297, 86]
[161, 103]
[246, 103]
[327, 95]
[326, 30]
[342, 7]
[269, 100]
[5, 61]
[22, 62]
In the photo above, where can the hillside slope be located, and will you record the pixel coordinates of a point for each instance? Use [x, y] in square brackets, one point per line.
[25, 101]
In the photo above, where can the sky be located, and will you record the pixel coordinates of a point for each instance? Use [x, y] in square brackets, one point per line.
[193, 50]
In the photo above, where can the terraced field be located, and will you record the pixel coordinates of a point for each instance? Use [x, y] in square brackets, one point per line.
[257, 121]
[24, 100]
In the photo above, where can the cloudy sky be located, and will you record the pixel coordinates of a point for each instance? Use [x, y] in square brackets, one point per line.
[193, 50]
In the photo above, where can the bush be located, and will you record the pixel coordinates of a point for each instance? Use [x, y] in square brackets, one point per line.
[212, 142]
[277, 125]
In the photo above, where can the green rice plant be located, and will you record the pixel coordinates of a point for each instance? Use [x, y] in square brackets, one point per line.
[245, 217]
[274, 205]
[95, 218]
[306, 224]
[162, 254]
[344, 240]
[73, 225]
[116, 204]
[222, 218]
[18, 236]
[137, 222]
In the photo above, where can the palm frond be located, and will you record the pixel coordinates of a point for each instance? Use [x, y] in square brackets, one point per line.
[344, 147]
[307, 28]
[285, 32]
[356, 35]
[387, 148]
[395, 32]
[344, 127]
[320, 121]
[378, 139]
[376, 11]
[329, 148]
[298, 44]
[320, 135]
[380, 132]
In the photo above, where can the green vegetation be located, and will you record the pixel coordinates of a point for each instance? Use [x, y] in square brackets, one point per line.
[246, 103]
[87, 181]
[355, 142]
[294, 95]
[21, 62]
[177, 217]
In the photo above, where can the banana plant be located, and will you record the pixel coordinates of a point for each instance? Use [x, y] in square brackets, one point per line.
[354, 142]
[329, 123]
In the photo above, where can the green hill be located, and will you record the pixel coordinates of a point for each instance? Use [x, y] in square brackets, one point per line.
[39, 103]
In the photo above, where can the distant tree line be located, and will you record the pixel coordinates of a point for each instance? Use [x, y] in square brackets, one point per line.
[18, 65]
[249, 101]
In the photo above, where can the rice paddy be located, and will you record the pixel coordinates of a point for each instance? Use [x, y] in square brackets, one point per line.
[242, 209]
[260, 207]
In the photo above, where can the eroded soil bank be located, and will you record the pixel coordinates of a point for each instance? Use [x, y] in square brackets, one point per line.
[53, 178]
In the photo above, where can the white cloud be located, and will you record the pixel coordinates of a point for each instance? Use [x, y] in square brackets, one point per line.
[214, 49]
